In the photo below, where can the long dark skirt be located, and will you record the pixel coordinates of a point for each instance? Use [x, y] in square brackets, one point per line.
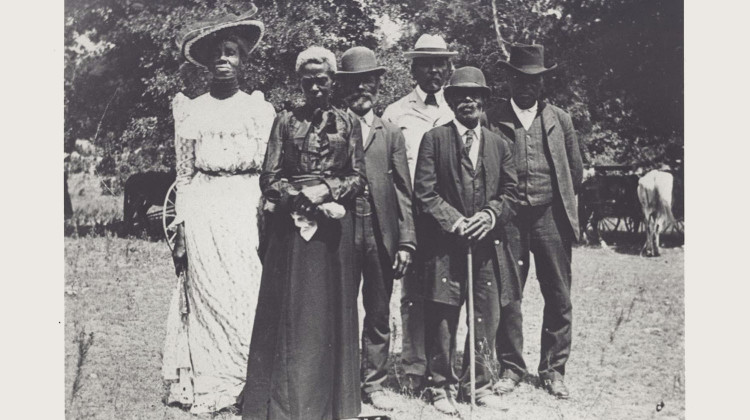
[304, 355]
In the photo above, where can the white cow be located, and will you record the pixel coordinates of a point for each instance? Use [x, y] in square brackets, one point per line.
[655, 195]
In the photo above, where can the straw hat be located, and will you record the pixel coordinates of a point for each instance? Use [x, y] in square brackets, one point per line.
[430, 46]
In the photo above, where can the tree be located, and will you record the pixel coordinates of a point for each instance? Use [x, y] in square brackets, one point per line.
[619, 75]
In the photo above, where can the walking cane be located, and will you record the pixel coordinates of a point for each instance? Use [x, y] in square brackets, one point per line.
[472, 356]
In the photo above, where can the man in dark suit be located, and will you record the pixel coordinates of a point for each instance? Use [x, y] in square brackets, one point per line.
[465, 190]
[384, 226]
[550, 171]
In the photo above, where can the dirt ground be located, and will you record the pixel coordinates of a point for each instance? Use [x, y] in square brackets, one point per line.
[627, 356]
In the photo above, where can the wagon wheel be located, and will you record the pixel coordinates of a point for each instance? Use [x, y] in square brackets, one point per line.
[606, 225]
[679, 226]
[633, 225]
[617, 225]
[168, 215]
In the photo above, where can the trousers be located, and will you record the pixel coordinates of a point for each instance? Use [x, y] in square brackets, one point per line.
[441, 325]
[545, 231]
[373, 266]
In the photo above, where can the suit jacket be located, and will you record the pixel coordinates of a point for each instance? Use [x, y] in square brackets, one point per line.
[562, 143]
[437, 191]
[415, 118]
[390, 185]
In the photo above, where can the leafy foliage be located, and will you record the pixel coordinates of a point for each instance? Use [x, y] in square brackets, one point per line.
[620, 63]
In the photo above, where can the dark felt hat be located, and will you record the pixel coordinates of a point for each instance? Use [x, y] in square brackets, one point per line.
[194, 39]
[467, 78]
[527, 59]
[359, 60]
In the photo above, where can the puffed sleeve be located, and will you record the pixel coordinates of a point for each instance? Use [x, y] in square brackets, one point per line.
[184, 145]
[263, 116]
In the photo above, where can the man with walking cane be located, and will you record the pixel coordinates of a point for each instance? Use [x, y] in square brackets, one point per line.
[465, 191]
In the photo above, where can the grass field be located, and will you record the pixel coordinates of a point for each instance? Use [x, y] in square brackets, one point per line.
[628, 340]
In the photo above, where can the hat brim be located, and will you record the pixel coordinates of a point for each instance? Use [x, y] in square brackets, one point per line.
[471, 86]
[377, 70]
[535, 70]
[249, 30]
[417, 54]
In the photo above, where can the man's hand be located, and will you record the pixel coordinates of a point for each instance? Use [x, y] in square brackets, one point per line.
[402, 263]
[476, 227]
[316, 193]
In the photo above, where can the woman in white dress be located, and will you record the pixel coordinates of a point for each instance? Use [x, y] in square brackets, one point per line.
[220, 141]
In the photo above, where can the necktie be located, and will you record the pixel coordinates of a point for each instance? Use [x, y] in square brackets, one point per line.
[430, 99]
[365, 129]
[469, 140]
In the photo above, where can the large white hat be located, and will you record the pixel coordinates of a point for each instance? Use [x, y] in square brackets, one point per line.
[192, 40]
[430, 46]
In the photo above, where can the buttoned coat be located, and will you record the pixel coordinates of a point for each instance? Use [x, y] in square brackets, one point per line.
[415, 118]
[437, 192]
[562, 143]
[390, 185]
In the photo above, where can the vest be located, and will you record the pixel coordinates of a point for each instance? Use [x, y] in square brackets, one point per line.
[472, 182]
[534, 164]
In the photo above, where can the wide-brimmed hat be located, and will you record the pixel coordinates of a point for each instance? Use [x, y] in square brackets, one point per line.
[430, 46]
[527, 59]
[194, 39]
[467, 78]
[359, 60]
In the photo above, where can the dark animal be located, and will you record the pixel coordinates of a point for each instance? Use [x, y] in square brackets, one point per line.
[608, 195]
[142, 191]
[68, 205]
[655, 195]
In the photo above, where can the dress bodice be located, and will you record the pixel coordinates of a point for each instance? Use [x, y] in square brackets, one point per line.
[230, 135]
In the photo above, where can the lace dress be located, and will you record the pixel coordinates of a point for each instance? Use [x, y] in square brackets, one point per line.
[220, 145]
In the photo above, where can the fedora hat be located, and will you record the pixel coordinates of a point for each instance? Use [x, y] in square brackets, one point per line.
[430, 46]
[467, 78]
[359, 60]
[527, 59]
[194, 39]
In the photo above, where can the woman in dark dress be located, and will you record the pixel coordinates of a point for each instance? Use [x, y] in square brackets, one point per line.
[304, 354]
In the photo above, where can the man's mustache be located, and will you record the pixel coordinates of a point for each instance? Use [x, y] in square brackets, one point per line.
[361, 95]
[470, 106]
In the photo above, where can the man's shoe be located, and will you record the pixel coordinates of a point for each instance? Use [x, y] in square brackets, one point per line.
[491, 401]
[556, 387]
[505, 385]
[445, 406]
[380, 400]
[412, 385]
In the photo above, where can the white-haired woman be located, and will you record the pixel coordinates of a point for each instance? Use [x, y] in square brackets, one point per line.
[220, 141]
[304, 357]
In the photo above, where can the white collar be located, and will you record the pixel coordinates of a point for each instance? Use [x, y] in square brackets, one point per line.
[423, 95]
[519, 111]
[369, 117]
[462, 129]
[525, 116]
